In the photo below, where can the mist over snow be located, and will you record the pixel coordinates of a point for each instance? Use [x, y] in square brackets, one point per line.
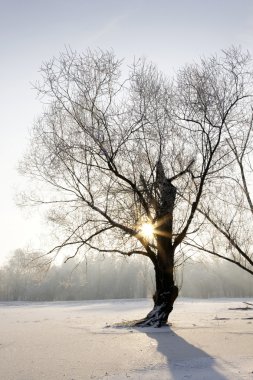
[104, 277]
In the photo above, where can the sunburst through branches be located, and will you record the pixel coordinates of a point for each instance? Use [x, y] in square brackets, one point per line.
[147, 231]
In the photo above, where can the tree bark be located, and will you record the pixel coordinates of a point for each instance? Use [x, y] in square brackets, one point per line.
[166, 291]
[164, 298]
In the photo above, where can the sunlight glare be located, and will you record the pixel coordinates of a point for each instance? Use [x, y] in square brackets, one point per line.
[147, 230]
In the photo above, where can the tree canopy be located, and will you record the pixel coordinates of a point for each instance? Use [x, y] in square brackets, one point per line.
[108, 142]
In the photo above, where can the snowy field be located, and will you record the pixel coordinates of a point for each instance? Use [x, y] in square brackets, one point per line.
[207, 340]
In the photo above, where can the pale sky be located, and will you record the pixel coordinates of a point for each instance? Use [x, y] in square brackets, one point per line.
[170, 33]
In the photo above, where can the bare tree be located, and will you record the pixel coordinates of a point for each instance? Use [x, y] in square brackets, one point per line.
[130, 158]
[228, 212]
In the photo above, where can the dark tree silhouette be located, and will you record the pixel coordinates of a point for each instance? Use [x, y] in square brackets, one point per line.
[130, 159]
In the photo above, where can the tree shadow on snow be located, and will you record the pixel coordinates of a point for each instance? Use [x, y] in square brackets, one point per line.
[184, 360]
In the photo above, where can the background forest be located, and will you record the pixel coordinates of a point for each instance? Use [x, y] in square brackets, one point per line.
[107, 277]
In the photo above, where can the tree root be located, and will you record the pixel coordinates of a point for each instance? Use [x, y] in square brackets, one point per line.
[158, 316]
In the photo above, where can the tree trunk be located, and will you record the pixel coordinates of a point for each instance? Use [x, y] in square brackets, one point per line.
[164, 298]
[166, 291]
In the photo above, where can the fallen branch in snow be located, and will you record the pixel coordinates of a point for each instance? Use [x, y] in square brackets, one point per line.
[242, 308]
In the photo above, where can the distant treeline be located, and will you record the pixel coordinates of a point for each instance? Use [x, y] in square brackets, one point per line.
[26, 277]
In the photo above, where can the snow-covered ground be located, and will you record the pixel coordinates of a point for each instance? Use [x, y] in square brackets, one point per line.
[208, 339]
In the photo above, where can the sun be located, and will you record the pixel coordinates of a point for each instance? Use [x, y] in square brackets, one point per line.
[147, 230]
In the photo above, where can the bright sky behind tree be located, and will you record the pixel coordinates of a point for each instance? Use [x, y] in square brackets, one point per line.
[168, 32]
